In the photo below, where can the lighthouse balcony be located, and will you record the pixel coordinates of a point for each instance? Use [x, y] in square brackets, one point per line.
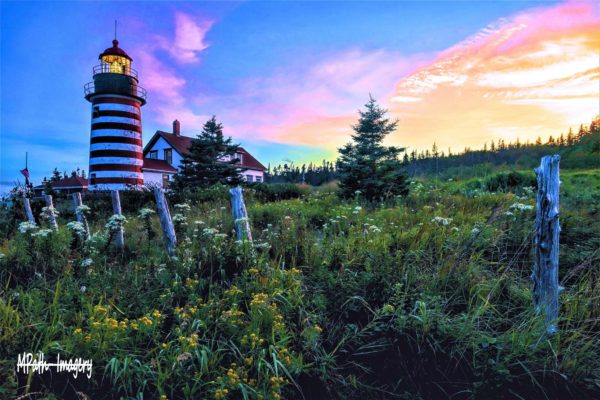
[115, 68]
[115, 86]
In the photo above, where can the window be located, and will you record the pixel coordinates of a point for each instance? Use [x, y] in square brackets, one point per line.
[248, 178]
[240, 157]
[165, 180]
[169, 156]
[92, 179]
[259, 179]
[153, 154]
[96, 112]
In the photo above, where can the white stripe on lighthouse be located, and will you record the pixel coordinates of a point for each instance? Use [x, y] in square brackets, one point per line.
[115, 146]
[118, 174]
[116, 107]
[116, 160]
[117, 133]
[121, 120]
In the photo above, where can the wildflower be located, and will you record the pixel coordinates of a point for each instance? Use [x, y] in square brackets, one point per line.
[87, 338]
[259, 299]
[42, 233]
[82, 289]
[156, 314]
[115, 222]
[82, 209]
[521, 207]
[183, 207]
[78, 228]
[146, 213]
[86, 262]
[318, 328]
[77, 331]
[221, 393]
[475, 231]
[441, 221]
[27, 226]
[163, 397]
[47, 212]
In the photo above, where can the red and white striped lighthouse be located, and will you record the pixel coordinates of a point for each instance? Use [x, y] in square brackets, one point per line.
[116, 135]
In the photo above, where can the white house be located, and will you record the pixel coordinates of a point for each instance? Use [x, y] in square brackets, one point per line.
[164, 152]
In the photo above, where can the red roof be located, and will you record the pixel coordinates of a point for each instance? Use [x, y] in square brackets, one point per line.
[151, 164]
[71, 182]
[115, 51]
[181, 144]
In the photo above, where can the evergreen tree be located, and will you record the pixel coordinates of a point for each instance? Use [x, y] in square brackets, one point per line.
[211, 159]
[365, 165]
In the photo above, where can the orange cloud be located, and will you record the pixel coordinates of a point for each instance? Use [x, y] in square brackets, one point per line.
[533, 75]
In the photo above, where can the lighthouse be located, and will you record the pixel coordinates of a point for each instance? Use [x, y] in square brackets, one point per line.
[116, 129]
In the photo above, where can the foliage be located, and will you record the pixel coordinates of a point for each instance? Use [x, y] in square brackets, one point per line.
[211, 159]
[365, 165]
[425, 297]
[278, 191]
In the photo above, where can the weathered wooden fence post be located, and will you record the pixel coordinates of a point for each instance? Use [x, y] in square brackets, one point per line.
[28, 211]
[116, 205]
[80, 214]
[240, 215]
[165, 220]
[50, 212]
[546, 290]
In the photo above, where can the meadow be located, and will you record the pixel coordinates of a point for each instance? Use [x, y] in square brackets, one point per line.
[426, 296]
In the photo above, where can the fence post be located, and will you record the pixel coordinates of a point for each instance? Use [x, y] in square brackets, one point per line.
[116, 205]
[240, 215]
[80, 214]
[165, 220]
[51, 215]
[546, 290]
[28, 211]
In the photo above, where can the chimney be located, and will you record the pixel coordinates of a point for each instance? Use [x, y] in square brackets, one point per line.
[176, 128]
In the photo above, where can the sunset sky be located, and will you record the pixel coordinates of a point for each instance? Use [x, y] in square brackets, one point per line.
[287, 78]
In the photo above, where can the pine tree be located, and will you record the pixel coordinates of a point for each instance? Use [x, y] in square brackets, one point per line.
[365, 165]
[570, 138]
[211, 159]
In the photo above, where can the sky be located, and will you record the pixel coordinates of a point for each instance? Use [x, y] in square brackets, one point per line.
[287, 79]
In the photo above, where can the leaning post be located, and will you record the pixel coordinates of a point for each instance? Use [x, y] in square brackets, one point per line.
[116, 205]
[28, 211]
[50, 212]
[546, 290]
[80, 214]
[240, 215]
[165, 220]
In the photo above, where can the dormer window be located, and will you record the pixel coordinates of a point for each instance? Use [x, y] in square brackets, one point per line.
[169, 156]
[153, 154]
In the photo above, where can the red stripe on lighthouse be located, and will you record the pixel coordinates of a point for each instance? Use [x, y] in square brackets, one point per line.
[116, 167]
[115, 113]
[115, 153]
[117, 100]
[126, 181]
[116, 125]
[115, 139]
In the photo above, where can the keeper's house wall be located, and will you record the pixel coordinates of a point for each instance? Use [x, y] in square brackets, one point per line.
[153, 178]
[160, 146]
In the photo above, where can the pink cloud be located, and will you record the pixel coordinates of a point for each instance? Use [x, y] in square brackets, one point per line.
[165, 85]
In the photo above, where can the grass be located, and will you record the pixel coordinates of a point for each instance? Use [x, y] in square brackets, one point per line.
[423, 297]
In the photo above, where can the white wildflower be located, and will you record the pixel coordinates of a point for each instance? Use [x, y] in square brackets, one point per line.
[83, 209]
[521, 207]
[441, 221]
[77, 228]
[87, 262]
[26, 226]
[42, 233]
[48, 211]
[146, 213]
[115, 222]
[183, 207]
[82, 289]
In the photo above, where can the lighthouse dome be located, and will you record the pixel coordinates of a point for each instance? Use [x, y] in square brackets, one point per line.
[115, 50]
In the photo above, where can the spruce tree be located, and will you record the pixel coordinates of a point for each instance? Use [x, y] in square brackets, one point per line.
[211, 159]
[365, 165]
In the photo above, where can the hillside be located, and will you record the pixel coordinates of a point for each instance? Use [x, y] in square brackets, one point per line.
[425, 297]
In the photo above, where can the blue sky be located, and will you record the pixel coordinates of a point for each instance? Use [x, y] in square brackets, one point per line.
[285, 78]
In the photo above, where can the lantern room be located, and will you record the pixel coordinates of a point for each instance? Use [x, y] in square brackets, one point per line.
[115, 60]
